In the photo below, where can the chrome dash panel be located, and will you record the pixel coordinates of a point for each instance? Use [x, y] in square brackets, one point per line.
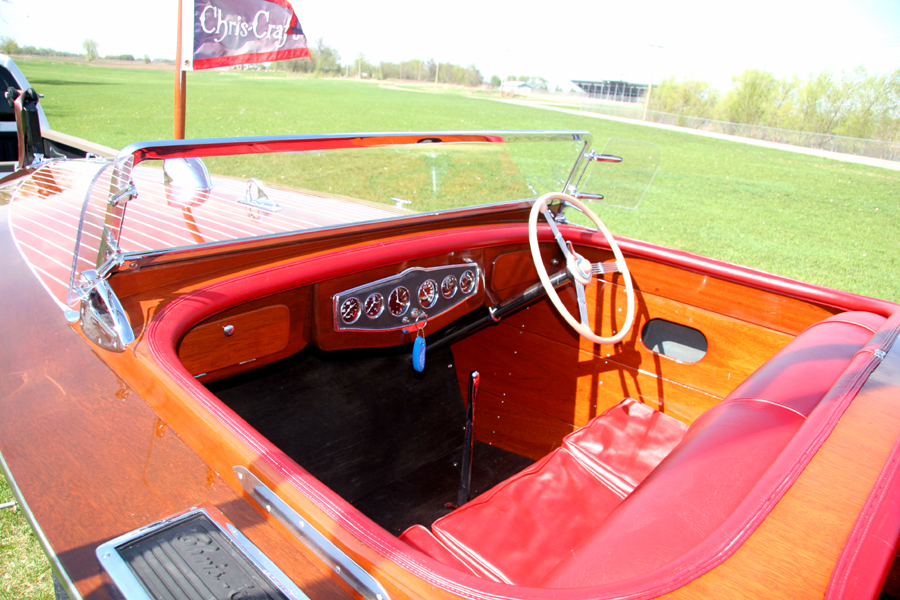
[399, 301]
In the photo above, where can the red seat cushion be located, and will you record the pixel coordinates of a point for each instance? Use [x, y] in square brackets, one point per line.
[518, 531]
[422, 540]
[521, 528]
[625, 443]
[685, 498]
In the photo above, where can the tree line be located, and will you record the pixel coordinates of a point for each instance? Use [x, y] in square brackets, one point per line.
[855, 104]
[325, 61]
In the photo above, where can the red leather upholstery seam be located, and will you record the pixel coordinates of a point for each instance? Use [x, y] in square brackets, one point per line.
[764, 401]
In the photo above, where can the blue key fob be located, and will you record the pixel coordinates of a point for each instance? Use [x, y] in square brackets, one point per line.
[418, 354]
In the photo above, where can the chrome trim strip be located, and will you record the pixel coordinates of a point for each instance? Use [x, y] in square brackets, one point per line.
[297, 143]
[52, 558]
[355, 576]
[137, 260]
[119, 571]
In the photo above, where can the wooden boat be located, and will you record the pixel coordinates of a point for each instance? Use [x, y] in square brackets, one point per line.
[210, 384]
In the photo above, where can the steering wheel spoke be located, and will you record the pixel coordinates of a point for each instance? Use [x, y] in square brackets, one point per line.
[582, 304]
[579, 268]
[601, 268]
[563, 245]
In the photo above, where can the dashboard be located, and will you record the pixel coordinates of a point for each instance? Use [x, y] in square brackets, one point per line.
[397, 302]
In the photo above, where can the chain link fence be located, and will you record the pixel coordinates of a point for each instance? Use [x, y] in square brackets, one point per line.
[820, 141]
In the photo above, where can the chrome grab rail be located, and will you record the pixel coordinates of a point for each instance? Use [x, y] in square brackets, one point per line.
[355, 576]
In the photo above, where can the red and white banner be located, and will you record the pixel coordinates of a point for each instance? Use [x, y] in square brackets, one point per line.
[220, 33]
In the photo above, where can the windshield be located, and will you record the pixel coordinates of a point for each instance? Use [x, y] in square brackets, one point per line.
[162, 196]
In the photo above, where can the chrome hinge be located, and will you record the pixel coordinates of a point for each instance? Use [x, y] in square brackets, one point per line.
[103, 319]
[560, 217]
[39, 161]
[260, 200]
[592, 155]
[122, 197]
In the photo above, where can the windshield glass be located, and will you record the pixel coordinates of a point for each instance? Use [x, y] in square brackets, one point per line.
[198, 192]
[161, 196]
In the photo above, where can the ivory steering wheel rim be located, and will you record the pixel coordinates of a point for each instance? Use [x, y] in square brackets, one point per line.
[583, 329]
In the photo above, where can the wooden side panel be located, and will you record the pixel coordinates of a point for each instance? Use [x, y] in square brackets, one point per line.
[299, 323]
[255, 334]
[517, 428]
[759, 307]
[735, 348]
[535, 390]
[540, 379]
[773, 311]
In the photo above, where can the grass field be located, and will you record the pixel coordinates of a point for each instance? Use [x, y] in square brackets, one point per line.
[24, 572]
[815, 219]
[819, 220]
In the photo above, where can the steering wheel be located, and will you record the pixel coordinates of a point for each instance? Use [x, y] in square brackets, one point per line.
[580, 269]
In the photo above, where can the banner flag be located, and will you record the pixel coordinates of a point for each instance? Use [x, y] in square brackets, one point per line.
[220, 33]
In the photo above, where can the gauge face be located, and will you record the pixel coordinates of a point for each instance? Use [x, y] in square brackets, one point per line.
[374, 305]
[398, 301]
[428, 293]
[449, 286]
[467, 282]
[350, 310]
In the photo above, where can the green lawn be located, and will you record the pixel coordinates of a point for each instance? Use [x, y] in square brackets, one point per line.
[824, 221]
[24, 572]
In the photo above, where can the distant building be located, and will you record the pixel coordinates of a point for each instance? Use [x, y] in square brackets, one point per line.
[515, 88]
[617, 91]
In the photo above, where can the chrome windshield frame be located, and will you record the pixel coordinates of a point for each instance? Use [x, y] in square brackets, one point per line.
[121, 190]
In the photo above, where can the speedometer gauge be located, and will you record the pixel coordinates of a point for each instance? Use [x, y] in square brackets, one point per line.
[428, 293]
[467, 282]
[374, 305]
[398, 301]
[350, 310]
[448, 286]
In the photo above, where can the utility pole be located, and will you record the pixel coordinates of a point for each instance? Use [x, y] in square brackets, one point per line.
[650, 89]
[180, 83]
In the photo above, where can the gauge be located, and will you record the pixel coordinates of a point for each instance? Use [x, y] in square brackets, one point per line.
[374, 305]
[350, 310]
[449, 286]
[428, 293]
[398, 301]
[467, 282]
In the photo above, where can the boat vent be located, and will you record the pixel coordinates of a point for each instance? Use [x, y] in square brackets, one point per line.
[192, 557]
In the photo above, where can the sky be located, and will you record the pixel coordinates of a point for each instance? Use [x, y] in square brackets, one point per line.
[709, 40]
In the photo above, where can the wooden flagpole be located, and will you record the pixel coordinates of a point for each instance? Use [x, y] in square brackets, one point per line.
[180, 82]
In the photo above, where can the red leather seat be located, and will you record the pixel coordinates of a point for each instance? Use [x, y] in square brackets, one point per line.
[616, 501]
[545, 510]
